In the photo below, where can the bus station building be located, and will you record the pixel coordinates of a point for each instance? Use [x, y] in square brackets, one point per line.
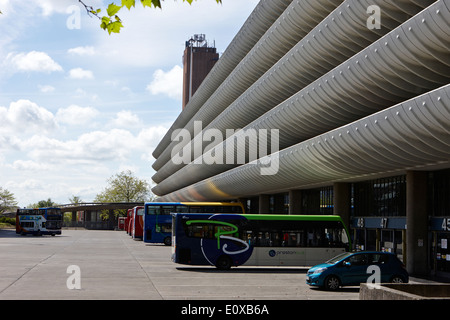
[346, 105]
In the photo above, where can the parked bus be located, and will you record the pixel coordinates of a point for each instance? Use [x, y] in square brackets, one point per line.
[137, 226]
[225, 240]
[41, 221]
[158, 221]
[128, 221]
[121, 223]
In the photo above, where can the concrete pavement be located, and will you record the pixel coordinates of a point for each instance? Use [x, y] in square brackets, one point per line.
[113, 266]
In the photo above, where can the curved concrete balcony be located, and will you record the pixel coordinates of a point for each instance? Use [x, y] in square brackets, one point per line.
[409, 60]
[338, 37]
[413, 135]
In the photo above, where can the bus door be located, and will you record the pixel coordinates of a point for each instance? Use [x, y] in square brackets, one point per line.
[40, 224]
[139, 223]
[150, 218]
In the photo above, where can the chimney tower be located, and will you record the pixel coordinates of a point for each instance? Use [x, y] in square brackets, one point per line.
[198, 60]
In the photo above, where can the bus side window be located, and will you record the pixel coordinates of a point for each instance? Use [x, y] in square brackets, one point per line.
[167, 210]
[263, 239]
[166, 228]
[153, 210]
[181, 209]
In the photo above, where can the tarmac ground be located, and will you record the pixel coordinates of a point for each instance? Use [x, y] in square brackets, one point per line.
[109, 265]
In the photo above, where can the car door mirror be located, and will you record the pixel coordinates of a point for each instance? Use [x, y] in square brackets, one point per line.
[347, 264]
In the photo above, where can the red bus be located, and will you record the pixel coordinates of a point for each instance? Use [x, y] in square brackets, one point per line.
[121, 223]
[137, 222]
[127, 221]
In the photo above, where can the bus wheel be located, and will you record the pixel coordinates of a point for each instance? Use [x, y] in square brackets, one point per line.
[167, 241]
[223, 263]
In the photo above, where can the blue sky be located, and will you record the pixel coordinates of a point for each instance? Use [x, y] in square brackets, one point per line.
[78, 105]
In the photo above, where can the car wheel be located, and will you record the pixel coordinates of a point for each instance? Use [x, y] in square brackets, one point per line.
[168, 241]
[397, 279]
[332, 283]
[223, 263]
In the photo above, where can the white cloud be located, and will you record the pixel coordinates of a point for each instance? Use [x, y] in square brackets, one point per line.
[36, 61]
[50, 7]
[79, 73]
[46, 88]
[24, 116]
[76, 115]
[126, 119]
[30, 165]
[89, 148]
[149, 139]
[95, 147]
[169, 83]
[82, 51]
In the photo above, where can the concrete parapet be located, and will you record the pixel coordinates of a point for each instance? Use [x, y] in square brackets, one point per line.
[404, 291]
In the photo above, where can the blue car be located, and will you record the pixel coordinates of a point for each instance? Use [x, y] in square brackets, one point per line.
[353, 268]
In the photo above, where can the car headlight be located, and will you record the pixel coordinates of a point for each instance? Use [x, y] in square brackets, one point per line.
[320, 270]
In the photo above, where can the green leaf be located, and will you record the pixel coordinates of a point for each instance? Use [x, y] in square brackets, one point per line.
[115, 27]
[112, 9]
[105, 22]
[147, 3]
[157, 3]
[128, 3]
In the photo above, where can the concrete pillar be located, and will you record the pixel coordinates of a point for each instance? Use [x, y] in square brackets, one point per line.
[87, 215]
[416, 222]
[264, 203]
[254, 205]
[112, 219]
[73, 220]
[295, 202]
[342, 201]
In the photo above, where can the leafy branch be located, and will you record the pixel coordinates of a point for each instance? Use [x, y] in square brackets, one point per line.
[111, 22]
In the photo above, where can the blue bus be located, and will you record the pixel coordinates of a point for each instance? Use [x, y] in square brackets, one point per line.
[226, 240]
[158, 221]
[42, 221]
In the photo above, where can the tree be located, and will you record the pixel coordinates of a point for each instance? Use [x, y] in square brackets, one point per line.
[7, 201]
[43, 204]
[75, 200]
[124, 187]
[111, 22]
